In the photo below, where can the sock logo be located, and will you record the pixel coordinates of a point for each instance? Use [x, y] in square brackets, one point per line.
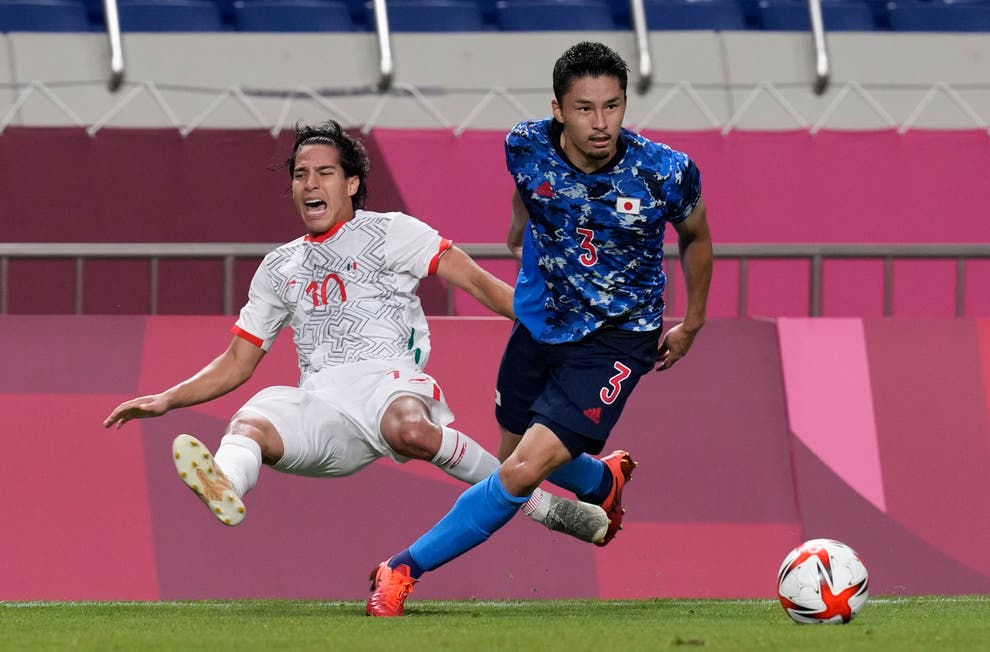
[457, 457]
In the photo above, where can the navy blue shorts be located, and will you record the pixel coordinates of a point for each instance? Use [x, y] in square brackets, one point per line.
[577, 389]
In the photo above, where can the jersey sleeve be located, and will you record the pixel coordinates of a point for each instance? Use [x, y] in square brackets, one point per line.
[518, 147]
[264, 314]
[414, 247]
[683, 190]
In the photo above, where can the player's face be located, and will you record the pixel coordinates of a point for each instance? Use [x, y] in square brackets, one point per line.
[591, 111]
[320, 189]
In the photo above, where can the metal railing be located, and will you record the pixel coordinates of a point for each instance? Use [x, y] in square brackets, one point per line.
[814, 254]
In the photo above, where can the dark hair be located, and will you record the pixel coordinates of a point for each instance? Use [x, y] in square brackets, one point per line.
[587, 59]
[353, 157]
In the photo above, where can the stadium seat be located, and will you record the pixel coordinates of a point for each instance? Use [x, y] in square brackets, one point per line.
[292, 16]
[838, 15]
[621, 13]
[431, 16]
[694, 14]
[553, 15]
[169, 16]
[43, 16]
[938, 16]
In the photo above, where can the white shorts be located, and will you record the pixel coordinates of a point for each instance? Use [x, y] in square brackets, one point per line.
[330, 426]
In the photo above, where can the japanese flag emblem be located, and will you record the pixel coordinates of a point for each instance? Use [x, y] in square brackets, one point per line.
[627, 205]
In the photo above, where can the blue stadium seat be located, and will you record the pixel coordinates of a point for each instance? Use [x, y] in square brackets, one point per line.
[431, 16]
[838, 15]
[292, 16]
[553, 15]
[621, 13]
[169, 16]
[938, 16]
[43, 16]
[694, 14]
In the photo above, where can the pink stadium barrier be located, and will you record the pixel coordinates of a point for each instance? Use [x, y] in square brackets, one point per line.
[770, 432]
[761, 187]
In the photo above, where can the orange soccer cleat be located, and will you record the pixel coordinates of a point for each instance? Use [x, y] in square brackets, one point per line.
[621, 465]
[390, 587]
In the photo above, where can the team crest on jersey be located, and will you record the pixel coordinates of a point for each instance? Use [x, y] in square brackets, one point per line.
[627, 205]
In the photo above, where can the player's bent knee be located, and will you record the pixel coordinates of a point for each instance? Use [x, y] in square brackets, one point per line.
[256, 427]
[407, 428]
[518, 477]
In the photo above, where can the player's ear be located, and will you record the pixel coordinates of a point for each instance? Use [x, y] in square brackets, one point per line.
[353, 183]
[557, 115]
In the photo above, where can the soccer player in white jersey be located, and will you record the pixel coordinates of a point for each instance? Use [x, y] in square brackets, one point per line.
[348, 290]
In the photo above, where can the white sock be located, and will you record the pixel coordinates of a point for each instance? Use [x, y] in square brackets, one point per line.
[461, 457]
[239, 458]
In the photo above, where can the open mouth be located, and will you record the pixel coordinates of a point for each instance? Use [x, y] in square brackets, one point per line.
[315, 206]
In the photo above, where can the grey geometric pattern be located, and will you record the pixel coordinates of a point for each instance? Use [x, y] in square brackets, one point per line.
[349, 296]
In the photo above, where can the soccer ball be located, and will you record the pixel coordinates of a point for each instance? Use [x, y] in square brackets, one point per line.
[822, 581]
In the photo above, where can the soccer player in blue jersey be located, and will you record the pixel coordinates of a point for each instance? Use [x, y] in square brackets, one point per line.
[589, 212]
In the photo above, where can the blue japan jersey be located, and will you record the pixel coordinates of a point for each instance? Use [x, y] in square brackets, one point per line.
[593, 253]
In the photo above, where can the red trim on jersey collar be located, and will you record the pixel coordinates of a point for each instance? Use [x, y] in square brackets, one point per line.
[244, 335]
[445, 244]
[324, 236]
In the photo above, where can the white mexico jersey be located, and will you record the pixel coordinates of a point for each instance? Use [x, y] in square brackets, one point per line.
[349, 294]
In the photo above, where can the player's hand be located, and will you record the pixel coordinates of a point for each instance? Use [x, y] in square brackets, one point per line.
[674, 346]
[137, 408]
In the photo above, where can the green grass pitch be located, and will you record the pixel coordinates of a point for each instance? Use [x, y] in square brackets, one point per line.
[886, 623]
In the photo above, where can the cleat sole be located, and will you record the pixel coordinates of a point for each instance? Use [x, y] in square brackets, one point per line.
[211, 485]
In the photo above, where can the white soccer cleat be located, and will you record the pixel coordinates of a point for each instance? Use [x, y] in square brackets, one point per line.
[196, 468]
[580, 520]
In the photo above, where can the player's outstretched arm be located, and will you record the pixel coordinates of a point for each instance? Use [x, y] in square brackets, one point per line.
[227, 372]
[695, 245]
[460, 269]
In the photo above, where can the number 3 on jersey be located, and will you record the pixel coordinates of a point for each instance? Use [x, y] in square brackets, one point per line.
[610, 393]
[590, 255]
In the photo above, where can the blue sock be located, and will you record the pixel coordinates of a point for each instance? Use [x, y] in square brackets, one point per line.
[482, 509]
[415, 570]
[586, 476]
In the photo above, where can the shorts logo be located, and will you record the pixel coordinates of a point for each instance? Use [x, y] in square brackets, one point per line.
[595, 414]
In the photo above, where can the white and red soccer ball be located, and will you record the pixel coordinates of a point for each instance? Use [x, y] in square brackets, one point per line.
[822, 581]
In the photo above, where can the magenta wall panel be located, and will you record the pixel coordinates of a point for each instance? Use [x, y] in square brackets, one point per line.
[854, 288]
[835, 186]
[715, 420]
[719, 465]
[76, 517]
[147, 185]
[457, 183]
[829, 399]
[696, 560]
[69, 354]
[983, 332]
[900, 561]
[761, 187]
[931, 417]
